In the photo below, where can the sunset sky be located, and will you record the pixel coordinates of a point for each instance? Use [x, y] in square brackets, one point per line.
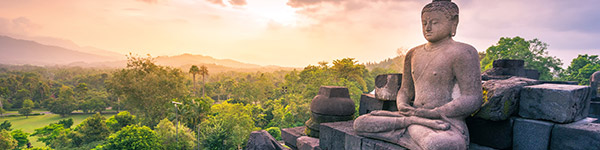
[295, 33]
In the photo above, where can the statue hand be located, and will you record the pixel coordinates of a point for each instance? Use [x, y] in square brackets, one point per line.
[426, 113]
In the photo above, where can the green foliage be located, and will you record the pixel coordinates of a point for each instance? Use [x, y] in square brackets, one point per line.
[582, 68]
[533, 52]
[147, 88]
[53, 135]
[6, 140]
[133, 137]
[184, 138]
[26, 109]
[275, 132]
[67, 123]
[194, 110]
[123, 119]
[93, 104]
[92, 129]
[65, 103]
[228, 127]
[21, 137]
[6, 125]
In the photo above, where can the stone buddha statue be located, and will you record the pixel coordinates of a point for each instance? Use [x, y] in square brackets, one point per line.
[441, 86]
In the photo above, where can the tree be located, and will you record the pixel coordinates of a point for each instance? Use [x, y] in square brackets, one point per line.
[21, 137]
[203, 73]
[122, 119]
[147, 88]
[533, 52]
[133, 137]
[26, 109]
[65, 103]
[228, 127]
[93, 129]
[582, 68]
[53, 135]
[6, 125]
[6, 140]
[172, 139]
[194, 70]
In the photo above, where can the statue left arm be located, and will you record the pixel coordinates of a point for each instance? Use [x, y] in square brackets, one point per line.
[468, 75]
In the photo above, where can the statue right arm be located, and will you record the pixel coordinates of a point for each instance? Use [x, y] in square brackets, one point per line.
[406, 94]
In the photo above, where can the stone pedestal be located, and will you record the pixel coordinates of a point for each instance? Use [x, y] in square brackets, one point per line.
[555, 102]
[332, 104]
[387, 86]
[369, 103]
[506, 68]
[580, 135]
[262, 140]
[494, 134]
[531, 134]
[308, 143]
[341, 136]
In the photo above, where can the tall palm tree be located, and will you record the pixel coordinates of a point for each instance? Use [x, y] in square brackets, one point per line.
[203, 72]
[194, 70]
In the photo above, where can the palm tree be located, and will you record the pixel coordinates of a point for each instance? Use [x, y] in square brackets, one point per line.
[194, 70]
[203, 72]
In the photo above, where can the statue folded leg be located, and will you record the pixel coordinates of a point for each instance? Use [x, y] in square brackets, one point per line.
[392, 127]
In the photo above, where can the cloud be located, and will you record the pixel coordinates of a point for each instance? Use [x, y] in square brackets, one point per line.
[18, 26]
[149, 1]
[232, 2]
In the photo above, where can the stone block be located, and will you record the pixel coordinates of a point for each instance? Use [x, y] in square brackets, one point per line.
[308, 143]
[290, 136]
[531, 134]
[371, 144]
[555, 102]
[580, 135]
[262, 140]
[387, 86]
[532, 74]
[508, 63]
[494, 134]
[369, 103]
[594, 109]
[501, 97]
[339, 136]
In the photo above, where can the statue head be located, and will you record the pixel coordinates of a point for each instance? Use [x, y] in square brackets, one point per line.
[439, 19]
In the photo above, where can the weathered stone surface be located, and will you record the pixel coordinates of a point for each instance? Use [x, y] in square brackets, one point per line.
[387, 86]
[494, 134]
[333, 100]
[531, 134]
[508, 63]
[329, 118]
[290, 135]
[308, 143]
[501, 97]
[371, 144]
[473, 146]
[580, 135]
[262, 140]
[594, 82]
[594, 109]
[339, 136]
[369, 103]
[555, 102]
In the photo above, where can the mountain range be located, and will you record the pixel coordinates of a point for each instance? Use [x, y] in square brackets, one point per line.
[51, 52]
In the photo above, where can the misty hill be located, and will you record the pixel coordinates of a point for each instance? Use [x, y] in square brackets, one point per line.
[17, 51]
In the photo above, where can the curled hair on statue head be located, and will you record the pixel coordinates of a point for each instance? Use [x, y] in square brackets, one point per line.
[449, 8]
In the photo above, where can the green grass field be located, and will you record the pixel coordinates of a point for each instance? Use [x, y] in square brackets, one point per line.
[33, 122]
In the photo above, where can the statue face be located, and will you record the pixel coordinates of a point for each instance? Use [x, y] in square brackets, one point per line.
[436, 26]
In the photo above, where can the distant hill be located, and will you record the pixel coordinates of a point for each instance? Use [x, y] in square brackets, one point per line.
[17, 51]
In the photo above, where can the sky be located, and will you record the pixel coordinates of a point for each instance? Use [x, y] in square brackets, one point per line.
[296, 33]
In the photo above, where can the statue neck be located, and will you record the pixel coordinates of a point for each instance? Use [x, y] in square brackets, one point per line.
[437, 44]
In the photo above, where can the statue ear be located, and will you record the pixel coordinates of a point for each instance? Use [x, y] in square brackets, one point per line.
[454, 24]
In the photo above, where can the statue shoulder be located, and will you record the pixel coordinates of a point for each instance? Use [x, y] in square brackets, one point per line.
[411, 52]
[465, 50]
